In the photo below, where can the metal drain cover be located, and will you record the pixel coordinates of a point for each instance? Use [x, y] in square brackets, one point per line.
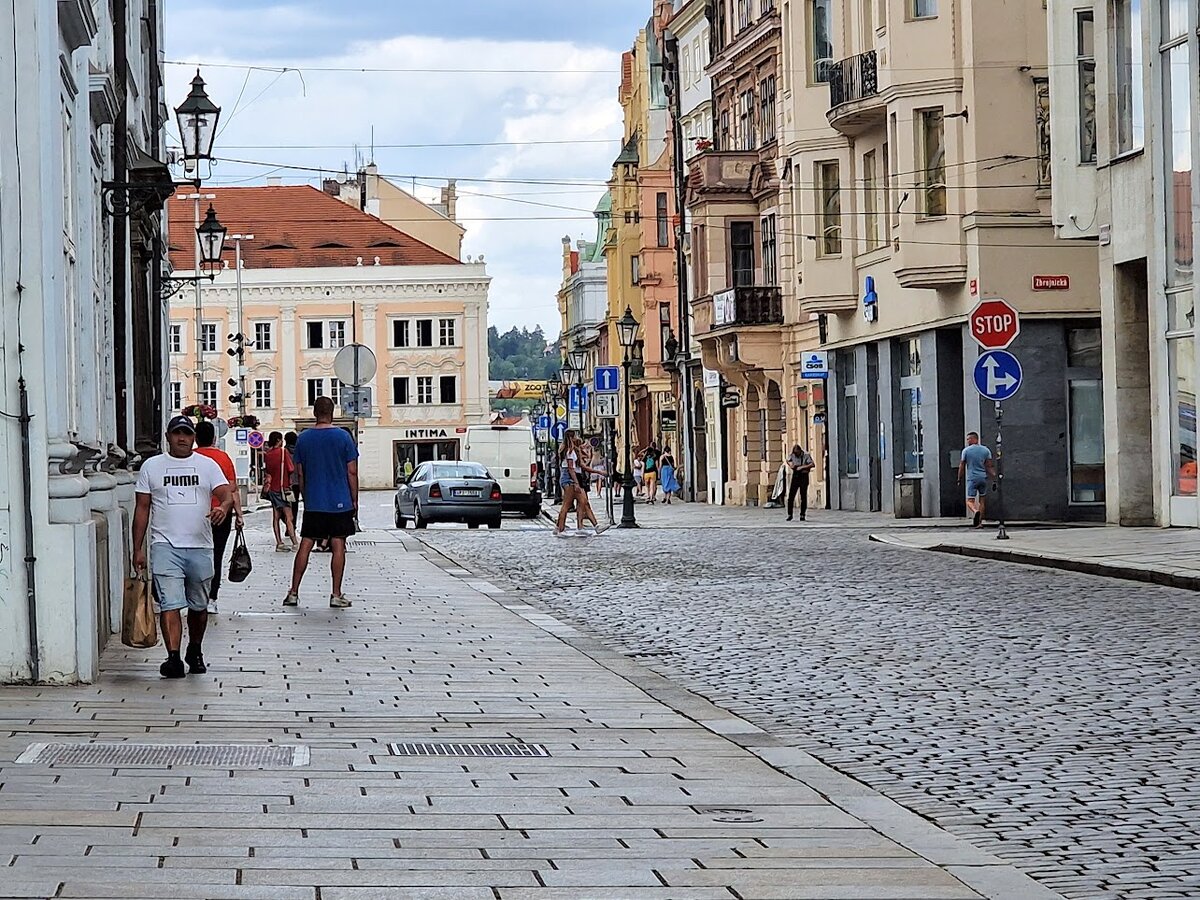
[164, 756]
[480, 750]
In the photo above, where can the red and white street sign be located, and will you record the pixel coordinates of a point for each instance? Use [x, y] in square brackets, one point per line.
[1051, 282]
[994, 324]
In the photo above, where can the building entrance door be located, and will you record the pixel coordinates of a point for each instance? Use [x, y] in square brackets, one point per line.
[410, 454]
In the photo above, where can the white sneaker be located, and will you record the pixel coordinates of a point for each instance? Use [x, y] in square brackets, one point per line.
[212, 607]
[581, 532]
[600, 529]
[337, 601]
[282, 548]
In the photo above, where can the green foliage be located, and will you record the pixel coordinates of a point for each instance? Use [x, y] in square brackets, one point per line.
[520, 353]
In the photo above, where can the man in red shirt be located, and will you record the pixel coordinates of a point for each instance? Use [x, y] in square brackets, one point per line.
[277, 483]
[206, 437]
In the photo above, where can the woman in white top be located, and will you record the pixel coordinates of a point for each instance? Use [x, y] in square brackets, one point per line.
[639, 474]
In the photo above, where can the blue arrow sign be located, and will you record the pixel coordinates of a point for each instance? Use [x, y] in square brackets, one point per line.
[997, 375]
[577, 398]
[608, 379]
[543, 421]
[559, 431]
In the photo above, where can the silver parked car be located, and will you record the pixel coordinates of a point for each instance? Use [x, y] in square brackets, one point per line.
[449, 492]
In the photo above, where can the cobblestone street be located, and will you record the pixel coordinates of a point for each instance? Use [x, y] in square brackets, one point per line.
[1049, 717]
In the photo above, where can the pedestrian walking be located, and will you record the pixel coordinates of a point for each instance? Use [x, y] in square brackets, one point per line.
[206, 439]
[175, 493]
[976, 465]
[670, 481]
[327, 468]
[639, 473]
[568, 480]
[279, 469]
[289, 444]
[651, 466]
[800, 462]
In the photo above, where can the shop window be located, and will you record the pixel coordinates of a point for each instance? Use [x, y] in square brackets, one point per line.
[1086, 437]
[912, 434]
[1178, 87]
[1181, 360]
[848, 379]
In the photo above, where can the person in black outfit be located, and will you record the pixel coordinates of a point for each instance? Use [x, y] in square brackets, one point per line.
[801, 463]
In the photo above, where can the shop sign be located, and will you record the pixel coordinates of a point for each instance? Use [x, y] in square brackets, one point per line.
[814, 364]
[731, 400]
[712, 379]
[424, 434]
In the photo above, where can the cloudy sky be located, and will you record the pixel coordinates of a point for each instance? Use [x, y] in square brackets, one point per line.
[545, 110]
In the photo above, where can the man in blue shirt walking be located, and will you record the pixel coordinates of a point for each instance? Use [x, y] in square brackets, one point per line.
[326, 460]
[976, 465]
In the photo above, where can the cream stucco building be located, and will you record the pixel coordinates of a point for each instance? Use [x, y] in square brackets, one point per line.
[317, 276]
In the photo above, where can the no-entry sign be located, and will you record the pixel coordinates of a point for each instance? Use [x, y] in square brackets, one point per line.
[994, 324]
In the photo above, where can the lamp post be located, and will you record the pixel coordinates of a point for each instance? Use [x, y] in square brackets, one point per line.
[578, 357]
[197, 118]
[627, 328]
[239, 336]
[210, 243]
[553, 392]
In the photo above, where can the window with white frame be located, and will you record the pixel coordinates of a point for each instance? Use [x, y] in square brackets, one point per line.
[931, 143]
[175, 397]
[315, 388]
[208, 337]
[264, 336]
[175, 334]
[1178, 93]
[923, 9]
[401, 387]
[315, 335]
[401, 333]
[1085, 64]
[335, 391]
[448, 389]
[744, 13]
[337, 333]
[208, 393]
[770, 251]
[262, 393]
[424, 389]
[820, 43]
[446, 335]
[424, 332]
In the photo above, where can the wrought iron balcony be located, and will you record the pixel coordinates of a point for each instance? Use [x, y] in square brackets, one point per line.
[855, 78]
[749, 305]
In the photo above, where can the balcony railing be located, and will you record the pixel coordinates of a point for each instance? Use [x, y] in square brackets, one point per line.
[855, 78]
[754, 305]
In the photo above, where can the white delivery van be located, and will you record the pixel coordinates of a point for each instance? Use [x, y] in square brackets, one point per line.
[510, 455]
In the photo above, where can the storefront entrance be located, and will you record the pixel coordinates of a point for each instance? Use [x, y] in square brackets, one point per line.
[407, 455]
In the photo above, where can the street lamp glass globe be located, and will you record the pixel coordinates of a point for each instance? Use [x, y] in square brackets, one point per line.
[197, 119]
[212, 240]
[578, 357]
[627, 328]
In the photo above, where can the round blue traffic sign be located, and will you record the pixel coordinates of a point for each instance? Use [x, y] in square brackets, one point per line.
[997, 375]
[256, 439]
[559, 431]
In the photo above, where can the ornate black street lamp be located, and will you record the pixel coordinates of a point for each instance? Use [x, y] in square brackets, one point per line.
[553, 392]
[197, 118]
[627, 329]
[211, 242]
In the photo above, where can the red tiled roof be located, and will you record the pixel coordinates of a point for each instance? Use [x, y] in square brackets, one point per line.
[297, 227]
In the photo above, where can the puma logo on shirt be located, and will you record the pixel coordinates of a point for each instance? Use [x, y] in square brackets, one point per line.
[181, 480]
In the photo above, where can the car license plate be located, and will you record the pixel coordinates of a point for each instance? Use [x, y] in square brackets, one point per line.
[467, 493]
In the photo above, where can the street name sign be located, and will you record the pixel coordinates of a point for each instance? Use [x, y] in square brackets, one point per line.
[994, 324]
[607, 379]
[997, 375]
[606, 406]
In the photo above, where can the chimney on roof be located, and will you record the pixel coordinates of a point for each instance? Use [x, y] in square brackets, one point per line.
[274, 181]
[332, 187]
[450, 200]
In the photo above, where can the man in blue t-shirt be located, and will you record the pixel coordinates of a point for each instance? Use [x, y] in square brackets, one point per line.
[976, 465]
[326, 460]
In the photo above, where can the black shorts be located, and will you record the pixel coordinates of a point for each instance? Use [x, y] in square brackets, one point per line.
[320, 526]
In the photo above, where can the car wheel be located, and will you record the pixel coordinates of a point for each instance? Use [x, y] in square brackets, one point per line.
[533, 512]
[401, 522]
[418, 519]
[495, 523]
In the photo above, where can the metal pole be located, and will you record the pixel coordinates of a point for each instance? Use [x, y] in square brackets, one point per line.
[610, 456]
[555, 480]
[241, 358]
[1002, 532]
[199, 311]
[628, 520]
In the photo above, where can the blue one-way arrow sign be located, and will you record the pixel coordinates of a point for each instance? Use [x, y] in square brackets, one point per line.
[543, 421]
[559, 431]
[997, 375]
[608, 379]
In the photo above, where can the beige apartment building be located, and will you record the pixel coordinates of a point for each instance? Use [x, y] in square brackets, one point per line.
[924, 187]
[316, 276]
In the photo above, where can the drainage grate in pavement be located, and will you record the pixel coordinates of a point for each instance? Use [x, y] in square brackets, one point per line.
[482, 750]
[163, 756]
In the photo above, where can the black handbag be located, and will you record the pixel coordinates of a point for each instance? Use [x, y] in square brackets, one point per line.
[239, 560]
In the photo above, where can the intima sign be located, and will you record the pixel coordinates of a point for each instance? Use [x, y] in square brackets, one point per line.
[424, 434]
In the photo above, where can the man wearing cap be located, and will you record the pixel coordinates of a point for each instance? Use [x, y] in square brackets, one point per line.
[175, 493]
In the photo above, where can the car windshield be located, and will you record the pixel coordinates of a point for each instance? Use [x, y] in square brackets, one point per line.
[460, 470]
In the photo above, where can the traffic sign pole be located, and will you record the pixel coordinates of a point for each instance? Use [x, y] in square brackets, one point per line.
[1002, 531]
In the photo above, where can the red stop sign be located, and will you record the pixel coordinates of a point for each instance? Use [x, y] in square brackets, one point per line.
[994, 324]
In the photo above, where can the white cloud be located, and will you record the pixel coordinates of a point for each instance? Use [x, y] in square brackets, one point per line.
[278, 113]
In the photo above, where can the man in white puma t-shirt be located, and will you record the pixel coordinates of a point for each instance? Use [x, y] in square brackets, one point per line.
[175, 491]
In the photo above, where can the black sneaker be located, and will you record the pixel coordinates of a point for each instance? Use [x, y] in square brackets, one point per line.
[172, 668]
[195, 661]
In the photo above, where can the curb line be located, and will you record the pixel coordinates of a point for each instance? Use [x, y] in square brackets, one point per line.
[1086, 567]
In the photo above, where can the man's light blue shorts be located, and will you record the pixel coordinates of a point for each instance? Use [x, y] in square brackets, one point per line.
[181, 576]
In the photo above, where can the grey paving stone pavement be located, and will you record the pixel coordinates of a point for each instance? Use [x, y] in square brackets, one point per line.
[1051, 718]
[637, 800]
